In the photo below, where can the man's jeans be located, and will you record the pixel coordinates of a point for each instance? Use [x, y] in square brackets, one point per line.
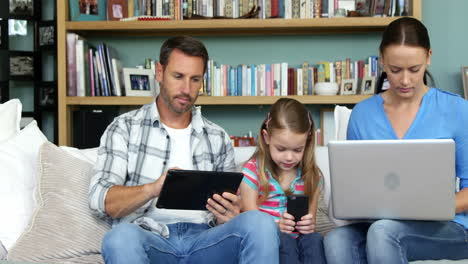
[394, 242]
[251, 237]
[304, 249]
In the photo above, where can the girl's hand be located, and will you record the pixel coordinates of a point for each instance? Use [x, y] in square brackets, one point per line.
[286, 223]
[306, 225]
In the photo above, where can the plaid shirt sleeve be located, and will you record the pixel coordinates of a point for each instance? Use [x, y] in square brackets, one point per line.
[226, 157]
[111, 165]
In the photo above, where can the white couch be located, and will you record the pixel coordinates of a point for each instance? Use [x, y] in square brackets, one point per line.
[43, 196]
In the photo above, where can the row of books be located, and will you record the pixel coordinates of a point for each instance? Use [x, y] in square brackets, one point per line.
[279, 79]
[98, 72]
[180, 9]
[92, 71]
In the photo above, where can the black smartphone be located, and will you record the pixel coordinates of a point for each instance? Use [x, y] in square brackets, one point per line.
[298, 206]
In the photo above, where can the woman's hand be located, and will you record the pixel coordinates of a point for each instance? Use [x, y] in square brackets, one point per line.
[286, 223]
[306, 225]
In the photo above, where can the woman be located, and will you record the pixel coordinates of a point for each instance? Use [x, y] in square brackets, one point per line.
[409, 109]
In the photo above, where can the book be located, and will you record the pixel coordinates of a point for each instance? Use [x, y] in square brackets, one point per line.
[80, 74]
[118, 77]
[71, 64]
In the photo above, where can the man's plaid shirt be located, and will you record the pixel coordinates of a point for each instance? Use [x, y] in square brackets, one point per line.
[135, 150]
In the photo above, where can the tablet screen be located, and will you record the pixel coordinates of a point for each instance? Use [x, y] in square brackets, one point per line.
[190, 189]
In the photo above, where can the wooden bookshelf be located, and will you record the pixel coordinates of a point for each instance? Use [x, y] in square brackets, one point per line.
[206, 28]
[233, 26]
[218, 100]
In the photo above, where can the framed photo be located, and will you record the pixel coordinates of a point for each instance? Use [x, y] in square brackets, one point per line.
[464, 72]
[348, 87]
[117, 9]
[4, 92]
[368, 85]
[3, 33]
[327, 125]
[46, 34]
[22, 65]
[46, 95]
[378, 7]
[139, 82]
[87, 10]
[24, 9]
[363, 7]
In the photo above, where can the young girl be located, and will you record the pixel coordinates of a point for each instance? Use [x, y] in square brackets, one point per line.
[284, 164]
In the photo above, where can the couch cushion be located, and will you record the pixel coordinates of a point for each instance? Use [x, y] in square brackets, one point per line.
[18, 157]
[341, 114]
[10, 116]
[3, 252]
[62, 230]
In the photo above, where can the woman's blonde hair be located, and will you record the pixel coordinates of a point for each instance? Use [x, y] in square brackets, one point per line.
[288, 114]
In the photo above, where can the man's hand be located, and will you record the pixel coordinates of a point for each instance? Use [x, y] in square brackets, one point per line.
[154, 188]
[224, 207]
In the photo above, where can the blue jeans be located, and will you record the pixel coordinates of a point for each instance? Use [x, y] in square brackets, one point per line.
[304, 249]
[393, 242]
[250, 237]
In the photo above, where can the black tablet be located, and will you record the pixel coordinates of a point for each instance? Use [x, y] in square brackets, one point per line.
[190, 189]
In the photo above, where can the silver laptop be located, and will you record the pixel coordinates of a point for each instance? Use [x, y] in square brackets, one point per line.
[393, 179]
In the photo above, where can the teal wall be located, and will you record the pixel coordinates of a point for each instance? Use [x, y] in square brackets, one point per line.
[446, 21]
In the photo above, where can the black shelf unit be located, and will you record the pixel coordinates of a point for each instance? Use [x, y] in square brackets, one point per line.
[27, 66]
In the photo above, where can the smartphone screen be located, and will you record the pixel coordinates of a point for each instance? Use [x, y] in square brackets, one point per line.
[298, 206]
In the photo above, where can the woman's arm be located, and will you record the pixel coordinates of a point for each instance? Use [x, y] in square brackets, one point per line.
[461, 201]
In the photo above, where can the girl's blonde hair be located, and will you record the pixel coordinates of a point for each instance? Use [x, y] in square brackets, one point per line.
[288, 114]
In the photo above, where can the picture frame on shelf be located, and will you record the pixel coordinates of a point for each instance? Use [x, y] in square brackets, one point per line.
[22, 65]
[46, 35]
[139, 82]
[368, 85]
[378, 7]
[464, 71]
[47, 95]
[348, 87]
[117, 9]
[24, 9]
[363, 7]
[3, 34]
[87, 10]
[327, 125]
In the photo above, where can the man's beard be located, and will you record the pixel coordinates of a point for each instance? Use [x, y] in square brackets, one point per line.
[172, 106]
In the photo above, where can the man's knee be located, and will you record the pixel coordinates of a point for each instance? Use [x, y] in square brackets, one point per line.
[118, 237]
[258, 222]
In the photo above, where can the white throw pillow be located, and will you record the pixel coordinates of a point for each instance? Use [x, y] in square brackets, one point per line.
[63, 228]
[17, 181]
[342, 114]
[10, 116]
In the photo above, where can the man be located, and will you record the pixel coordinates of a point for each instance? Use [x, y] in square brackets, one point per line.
[136, 151]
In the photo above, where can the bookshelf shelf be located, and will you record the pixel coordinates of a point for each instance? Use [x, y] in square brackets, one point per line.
[208, 27]
[218, 100]
[233, 26]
